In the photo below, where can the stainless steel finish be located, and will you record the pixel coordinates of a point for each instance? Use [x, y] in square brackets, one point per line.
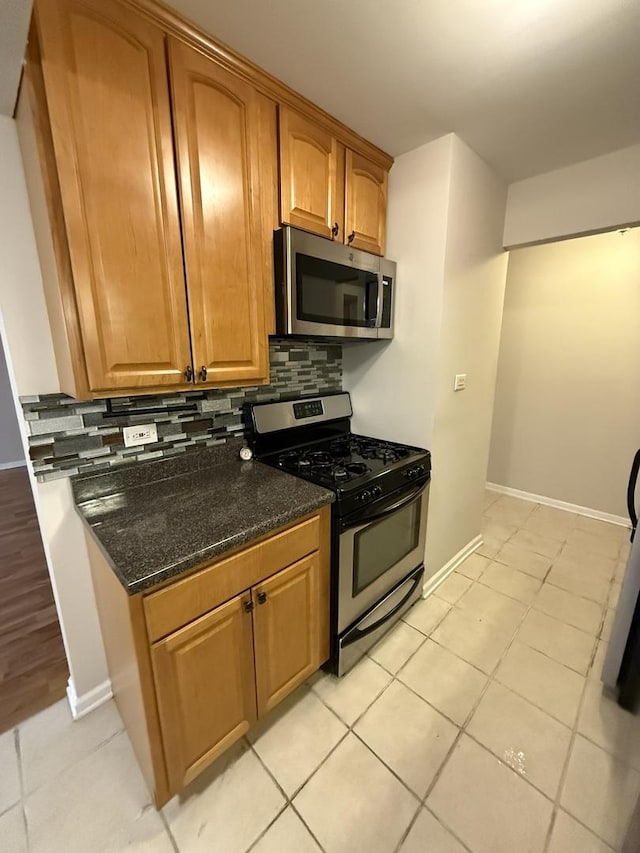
[379, 301]
[296, 241]
[350, 607]
[276, 416]
[388, 268]
[349, 653]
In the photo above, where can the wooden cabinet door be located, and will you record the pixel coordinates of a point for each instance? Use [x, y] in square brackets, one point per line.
[107, 92]
[366, 204]
[286, 619]
[204, 675]
[217, 127]
[311, 176]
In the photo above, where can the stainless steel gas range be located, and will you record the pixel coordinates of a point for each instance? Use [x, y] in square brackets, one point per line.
[379, 517]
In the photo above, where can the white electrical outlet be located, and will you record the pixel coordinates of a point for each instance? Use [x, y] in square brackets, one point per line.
[460, 382]
[143, 434]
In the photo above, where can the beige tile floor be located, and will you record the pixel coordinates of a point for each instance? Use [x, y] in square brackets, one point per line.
[478, 724]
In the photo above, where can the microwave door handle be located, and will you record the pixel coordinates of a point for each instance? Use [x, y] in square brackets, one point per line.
[379, 301]
[631, 494]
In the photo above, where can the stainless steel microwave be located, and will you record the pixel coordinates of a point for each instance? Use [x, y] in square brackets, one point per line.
[326, 289]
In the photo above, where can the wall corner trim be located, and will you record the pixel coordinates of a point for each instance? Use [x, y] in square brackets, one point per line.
[440, 576]
[89, 701]
[564, 505]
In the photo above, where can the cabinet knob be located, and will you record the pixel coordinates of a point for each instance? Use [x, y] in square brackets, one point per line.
[188, 373]
[203, 374]
[336, 229]
[248, 605]
[351, 237]
[262, 597]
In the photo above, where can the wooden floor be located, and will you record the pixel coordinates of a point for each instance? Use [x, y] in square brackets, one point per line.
[33, 667]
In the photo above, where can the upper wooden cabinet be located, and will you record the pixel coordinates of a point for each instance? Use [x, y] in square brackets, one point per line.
[365, 204]
[327, 189]
[311, 175]
[156, 182]
[217, 122]
[107, 96]
[153, 299]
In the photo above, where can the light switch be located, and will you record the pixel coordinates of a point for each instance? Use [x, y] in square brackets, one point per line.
[460, 382]
[143, 434]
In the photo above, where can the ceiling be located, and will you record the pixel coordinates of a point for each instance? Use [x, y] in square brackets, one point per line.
[531, 85]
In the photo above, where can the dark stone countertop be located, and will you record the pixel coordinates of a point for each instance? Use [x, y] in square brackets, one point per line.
[156, 520]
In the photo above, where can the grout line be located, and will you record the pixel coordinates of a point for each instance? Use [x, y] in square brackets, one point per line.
[165, 823]
[263, 832]
[461, 729]
[406, 832]
[565, 768]
[305, 824]
[574, 729]
[23, 805]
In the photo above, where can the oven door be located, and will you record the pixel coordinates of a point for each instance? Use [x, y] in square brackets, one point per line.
[376, 553]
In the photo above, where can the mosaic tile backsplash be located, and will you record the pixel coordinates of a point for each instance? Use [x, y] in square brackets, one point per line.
[68, 436]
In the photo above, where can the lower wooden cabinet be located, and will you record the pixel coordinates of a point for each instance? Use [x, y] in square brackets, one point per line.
[204, 676]
[194, 664]
[285, 621]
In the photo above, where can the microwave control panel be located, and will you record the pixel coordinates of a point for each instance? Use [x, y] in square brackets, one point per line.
[307, 409]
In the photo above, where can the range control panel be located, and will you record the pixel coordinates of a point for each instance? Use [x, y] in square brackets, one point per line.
[307, 409]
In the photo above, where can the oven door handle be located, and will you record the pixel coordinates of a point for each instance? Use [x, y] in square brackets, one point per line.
[358, 633]
[366, 519]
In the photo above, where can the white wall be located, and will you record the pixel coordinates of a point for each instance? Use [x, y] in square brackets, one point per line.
[30, 359]
[592, 196]
[391, 383]
[567, 413]
[11, 451]
[473, 293]
[445, 221]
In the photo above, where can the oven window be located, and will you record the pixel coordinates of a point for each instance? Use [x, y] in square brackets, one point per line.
[334, 294]
[380, 546]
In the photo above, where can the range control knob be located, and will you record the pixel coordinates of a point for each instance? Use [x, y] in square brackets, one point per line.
[411, 473]
[365, 497]
[376, 491]
[420, 469]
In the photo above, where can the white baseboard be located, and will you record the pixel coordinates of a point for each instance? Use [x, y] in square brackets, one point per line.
[21, 463]
[443, 573]
[542, 499]
[87, 702]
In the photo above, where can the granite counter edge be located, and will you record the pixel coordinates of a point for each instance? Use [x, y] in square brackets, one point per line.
[199, 559]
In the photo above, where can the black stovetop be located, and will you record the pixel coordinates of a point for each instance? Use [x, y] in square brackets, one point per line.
[348, 461]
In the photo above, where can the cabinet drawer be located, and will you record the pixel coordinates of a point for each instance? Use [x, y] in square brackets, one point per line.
[181, 602]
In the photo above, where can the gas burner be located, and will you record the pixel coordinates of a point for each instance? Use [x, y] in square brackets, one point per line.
[304, 464]
[386, 454]
[357, 468]
[339, 447]
[368, 450]
[320, 458]
[340, 474]
[343, 447]
[287, 459]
